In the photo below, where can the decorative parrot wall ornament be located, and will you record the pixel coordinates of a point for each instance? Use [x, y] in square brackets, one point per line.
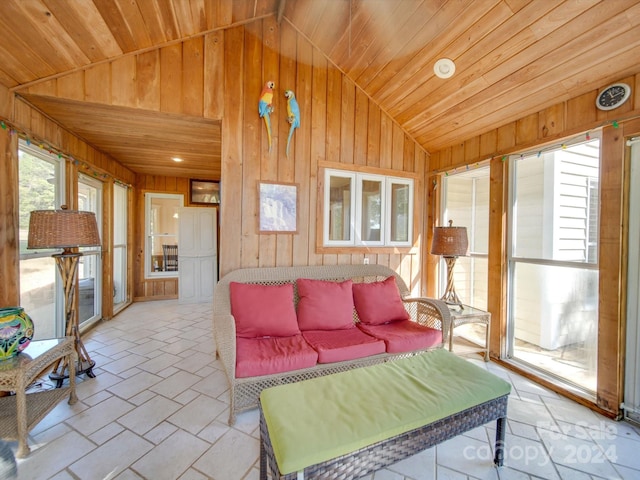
[293, 115]
[265, 108]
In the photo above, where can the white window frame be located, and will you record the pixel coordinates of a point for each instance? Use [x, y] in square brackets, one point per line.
[88, 253]
[356, 180]
[148, 268]
[121, 199]
[398, 181]
[327, 203]
[516, 258]
[59, 169]
[476, 254]
[359, 211]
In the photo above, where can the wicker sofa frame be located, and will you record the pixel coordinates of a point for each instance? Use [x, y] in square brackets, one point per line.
[389, 451]
[244, 392]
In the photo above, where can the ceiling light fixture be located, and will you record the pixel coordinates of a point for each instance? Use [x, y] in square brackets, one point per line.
[176, 159]
[444, 68]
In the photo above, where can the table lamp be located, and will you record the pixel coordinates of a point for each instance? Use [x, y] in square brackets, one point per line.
[450, 242]
[66, 229]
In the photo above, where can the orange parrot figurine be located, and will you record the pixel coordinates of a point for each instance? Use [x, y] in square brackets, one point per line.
[265, 108]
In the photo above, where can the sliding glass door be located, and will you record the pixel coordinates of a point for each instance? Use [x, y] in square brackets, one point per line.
[120, 201]
[90, 264]
[41, 187]
[466, 203]
[553, 262]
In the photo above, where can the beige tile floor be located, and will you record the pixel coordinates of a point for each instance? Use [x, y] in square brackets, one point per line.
[157, 409]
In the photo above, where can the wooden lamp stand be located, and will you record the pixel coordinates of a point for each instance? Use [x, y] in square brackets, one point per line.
[67, 263]
[450, 296]
[66, 229]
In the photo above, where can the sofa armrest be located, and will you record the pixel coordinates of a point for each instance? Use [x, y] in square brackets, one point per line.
[224, 331]
[429, 312]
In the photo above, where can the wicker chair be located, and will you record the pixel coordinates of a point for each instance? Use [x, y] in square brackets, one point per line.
[244, 392]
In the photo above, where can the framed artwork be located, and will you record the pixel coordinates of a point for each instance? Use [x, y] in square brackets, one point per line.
[206, 192]
[278, 207]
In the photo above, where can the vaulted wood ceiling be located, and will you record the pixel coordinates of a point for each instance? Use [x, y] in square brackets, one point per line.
[512, 57]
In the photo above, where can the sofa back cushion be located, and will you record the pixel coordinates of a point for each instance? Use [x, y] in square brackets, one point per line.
[324, 305]
[263, 310]
[379, 302]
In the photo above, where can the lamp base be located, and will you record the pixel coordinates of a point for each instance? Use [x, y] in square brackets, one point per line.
[85, 366]
[67, 263]
[450, 296]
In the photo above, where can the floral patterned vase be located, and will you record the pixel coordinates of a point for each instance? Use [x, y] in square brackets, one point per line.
[16, 331]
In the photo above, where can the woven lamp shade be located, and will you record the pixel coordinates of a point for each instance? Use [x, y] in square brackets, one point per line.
[62, 229]
[450, 241]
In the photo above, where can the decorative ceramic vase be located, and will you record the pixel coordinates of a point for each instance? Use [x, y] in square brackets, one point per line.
[16, 331]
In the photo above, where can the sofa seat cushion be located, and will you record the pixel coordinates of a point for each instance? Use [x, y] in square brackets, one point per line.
[379, 302]
[263, 310]
[324, 305]
[404, 335]
[267, 355]
[343, 345]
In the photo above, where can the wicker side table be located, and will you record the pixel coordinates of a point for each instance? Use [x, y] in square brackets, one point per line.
[465, 315]
[19, 413]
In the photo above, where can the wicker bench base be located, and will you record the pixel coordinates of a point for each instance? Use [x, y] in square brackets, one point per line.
[387, 452]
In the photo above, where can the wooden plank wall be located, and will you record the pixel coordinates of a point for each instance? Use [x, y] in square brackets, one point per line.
[570, 119]
[9, 248]
[9, 266]
[220, 75]
[339, 125]
[6, 102]
[573, 117]
[180, 78]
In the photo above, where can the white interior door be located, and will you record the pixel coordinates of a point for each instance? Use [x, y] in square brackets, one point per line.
[197, 255]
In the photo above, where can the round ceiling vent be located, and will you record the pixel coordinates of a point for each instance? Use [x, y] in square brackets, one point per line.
[444, 68]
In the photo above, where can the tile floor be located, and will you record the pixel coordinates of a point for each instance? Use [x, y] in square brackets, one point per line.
[158, 410]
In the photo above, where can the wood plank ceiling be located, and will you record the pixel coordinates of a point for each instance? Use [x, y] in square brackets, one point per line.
[512, 57]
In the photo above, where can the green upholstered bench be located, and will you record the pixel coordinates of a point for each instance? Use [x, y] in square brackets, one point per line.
[350, 424]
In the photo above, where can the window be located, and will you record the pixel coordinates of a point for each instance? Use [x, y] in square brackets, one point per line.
[367, 210]
[466, 202]
[553, 270]
[369, 222]
[400, 205]
[90, 263]
[120, 202]
[41, 187]
[161, 215]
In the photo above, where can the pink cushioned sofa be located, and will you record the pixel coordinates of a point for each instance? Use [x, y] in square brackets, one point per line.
[286, 324]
